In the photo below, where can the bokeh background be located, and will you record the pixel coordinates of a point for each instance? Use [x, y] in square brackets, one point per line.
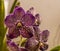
[49, 11]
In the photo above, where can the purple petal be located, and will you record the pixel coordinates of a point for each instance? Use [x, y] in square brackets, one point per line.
[19, 12]
[31, 10]
[16, 7]
[28, 11]
[26, 32]
[31, 43]
[37, 16]
[10, 20]
[44, 35]
[36, 32]
[28, 19]
[13, 33]
[12, 46]
[23, 49]
[37, 20]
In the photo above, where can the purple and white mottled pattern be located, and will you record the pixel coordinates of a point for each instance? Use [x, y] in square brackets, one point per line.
[13, 47]
[13, 33]
[26, 32]
[19, 14]
[23, 49]
[25, 25]
[28, 19]
[44, 35]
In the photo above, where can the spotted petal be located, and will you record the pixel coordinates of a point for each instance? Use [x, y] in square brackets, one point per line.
[36, 32]
[26, 32]
[19, 12]
[44, 35]
[22, 49]
[10, 20]
[12, 46]
[31, 44]
[28, 20]
[13, 33]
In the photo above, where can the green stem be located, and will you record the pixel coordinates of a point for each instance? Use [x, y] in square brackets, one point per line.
[14, 4]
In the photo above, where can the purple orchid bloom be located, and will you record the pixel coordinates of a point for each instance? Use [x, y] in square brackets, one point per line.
[25, 24]
[19, 15]
[18, 21]
[34, 44]
[44, 35]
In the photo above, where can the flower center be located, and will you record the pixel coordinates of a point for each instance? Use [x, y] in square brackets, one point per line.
[19, 24]
[41, 44]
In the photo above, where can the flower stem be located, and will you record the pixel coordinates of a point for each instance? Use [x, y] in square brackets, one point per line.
[14, 4]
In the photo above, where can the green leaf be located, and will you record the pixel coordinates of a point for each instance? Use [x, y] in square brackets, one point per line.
[4, 48]
[2, 29]
[55, 48]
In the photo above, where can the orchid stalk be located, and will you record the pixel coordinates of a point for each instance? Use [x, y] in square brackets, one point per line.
[14, 4]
